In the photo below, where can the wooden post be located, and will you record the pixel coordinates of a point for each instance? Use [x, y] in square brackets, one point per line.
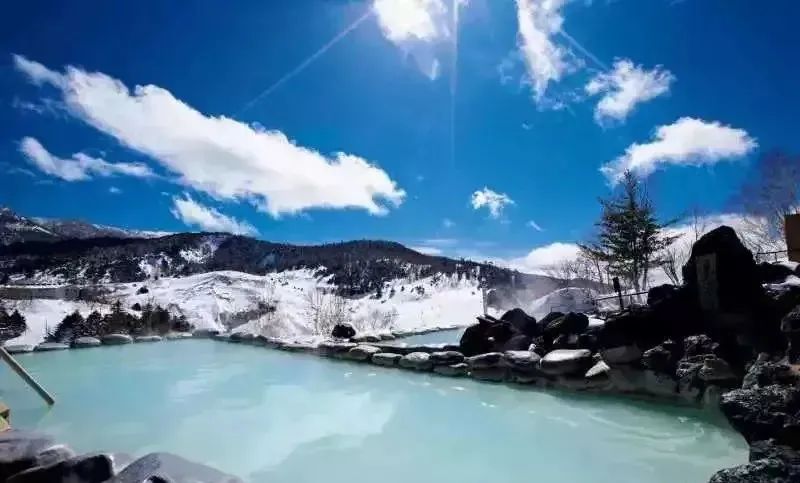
[792, 223]
[26, 377]
[615, 280]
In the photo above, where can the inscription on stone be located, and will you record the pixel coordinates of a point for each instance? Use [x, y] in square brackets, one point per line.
[707, 286]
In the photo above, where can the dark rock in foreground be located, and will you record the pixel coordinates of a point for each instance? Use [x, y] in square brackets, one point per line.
[168, 467]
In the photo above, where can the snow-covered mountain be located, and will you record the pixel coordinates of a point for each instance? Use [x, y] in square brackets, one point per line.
[16, 228]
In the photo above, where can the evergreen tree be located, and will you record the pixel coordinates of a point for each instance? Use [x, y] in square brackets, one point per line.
[11, 325]
[630, 238]
[65, 330]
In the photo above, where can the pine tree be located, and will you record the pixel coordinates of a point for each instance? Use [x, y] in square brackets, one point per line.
[630, 238]
[11, 325]
[65, 330]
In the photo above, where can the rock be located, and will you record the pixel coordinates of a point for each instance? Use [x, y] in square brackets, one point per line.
[224, 337]
[768, 448]
[522, 361]
[773, 272]
[82, 342]
[598, 371]
[738, 282]
[94, 468]
[767, 470]
[517, 342]
[334, 349]
[386, 336]
[18, 348]
[662, 358]
[418, 361]
[343, 331]
[54, 454]
[387, 359]
[624, 354]
[485, 361]
[547, 319]
[570, 323]
[717, 371]
[365, 338]
[661, 293]
[170, 468]
[269, 342]
[565, 361]
[446, 358]
[452, 370]
[296, 346]
[19, 450]
[475, 340]
[204, 333]
[493, 374]
[181, 335]
[116, 339]
[701, 344]
[764, 373]
[521, 321]
[50, 346]
[765, 412]
[362, 352]
[147, 338]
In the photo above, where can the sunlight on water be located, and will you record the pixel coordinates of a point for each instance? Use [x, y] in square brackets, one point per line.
[271, 416]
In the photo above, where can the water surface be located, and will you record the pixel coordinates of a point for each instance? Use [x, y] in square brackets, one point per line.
[271, 416]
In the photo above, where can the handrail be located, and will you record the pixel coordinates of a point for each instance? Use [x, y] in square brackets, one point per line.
[26, 377]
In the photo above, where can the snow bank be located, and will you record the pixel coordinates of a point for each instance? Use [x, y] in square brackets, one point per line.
[570, 299]
[41, 314]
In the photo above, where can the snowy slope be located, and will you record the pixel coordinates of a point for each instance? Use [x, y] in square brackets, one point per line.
[224, 299]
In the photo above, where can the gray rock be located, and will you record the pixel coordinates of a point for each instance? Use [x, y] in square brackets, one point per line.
[298, 347]
[116, 339]
[492, 374]
[19, 348]
[566, 361]
[147, 338]
[446, 358]
[489, 360]
[54, 454]
[19, 450]
[362, 352]
[224, 337]
[387, 359]
[386, 336]
[418, 361]
[365, 338]
[452, 370]
[662, 358]
[718, 371]
[765, 412]
[333, 348]
[625, 354]
[94, 468]
[791, 322]
[82, 342]
[205, 333]
[522, 361]
[50, 346]
[170, 468]
[598, 371]
[767, 470]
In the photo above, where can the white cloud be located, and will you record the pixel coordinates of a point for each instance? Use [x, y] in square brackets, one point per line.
[493, 201]
[427, 250]
[222, 157]
[534, 225]
[405, 20]
[625, 86]
[687, 141]
[208, 219]
[79, 167]
[417, 27]
[546, 61]
[114, 190]
[540, 258]
[448, 223]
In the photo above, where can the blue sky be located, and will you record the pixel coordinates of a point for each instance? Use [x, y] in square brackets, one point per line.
[483, 128]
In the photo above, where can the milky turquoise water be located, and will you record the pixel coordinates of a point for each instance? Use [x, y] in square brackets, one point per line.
[271, 416]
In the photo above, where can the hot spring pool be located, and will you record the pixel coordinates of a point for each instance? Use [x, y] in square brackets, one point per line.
[272, 416]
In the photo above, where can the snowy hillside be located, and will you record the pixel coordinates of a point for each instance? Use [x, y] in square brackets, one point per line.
[241, 301]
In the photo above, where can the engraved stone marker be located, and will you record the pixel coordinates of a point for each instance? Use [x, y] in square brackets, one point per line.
[707, 286]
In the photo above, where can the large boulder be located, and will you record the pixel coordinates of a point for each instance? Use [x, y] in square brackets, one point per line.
[570, 323]
[362, 352]
[490, 360]
[343, 331]
[417, 361]
[763, 372]
[767, 470]
[736, 284]
[50, 346]
[453, 370]
[386, 359]
[82, 342]
[116, 339]
[663, 358]
[661, 293]
[562, 362]
[624, 354]
[93, 468]
[475, 339]
[521, 321]
[19, 450]
[166, 467]
[764, 413]
[446, 358]
[522, 361]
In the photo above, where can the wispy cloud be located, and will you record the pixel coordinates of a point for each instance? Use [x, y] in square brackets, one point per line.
[688, 142]
[626, 86]
[114, 190]
[206, 218]
[427, 250]
[448, 223]
[534, 225]
[80, 166]
[545, 60]
[493, 201]
[222, 157]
